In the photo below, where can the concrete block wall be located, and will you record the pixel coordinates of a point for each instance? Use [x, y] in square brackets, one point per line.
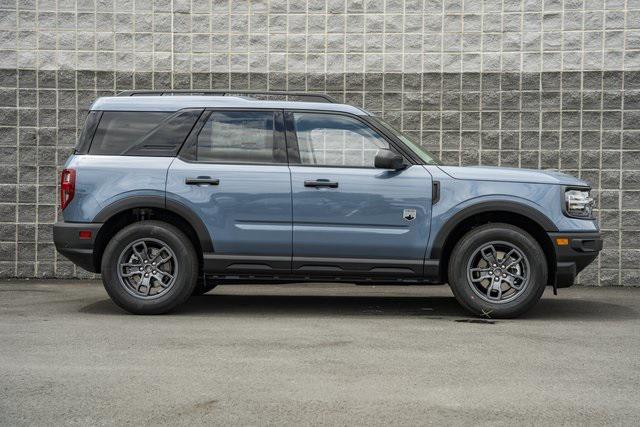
[533, 83]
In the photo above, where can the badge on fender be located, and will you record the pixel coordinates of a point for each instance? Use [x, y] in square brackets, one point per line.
[409, 214]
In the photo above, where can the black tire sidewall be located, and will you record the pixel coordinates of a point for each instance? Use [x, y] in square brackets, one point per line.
[471, 242]
[185, 256]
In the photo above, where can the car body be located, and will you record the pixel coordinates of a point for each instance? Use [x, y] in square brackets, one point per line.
[283, 191]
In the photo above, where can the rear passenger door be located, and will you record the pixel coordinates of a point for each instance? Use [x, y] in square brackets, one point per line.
[232, 172]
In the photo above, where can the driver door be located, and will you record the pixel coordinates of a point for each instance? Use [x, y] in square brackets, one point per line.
[350, 218]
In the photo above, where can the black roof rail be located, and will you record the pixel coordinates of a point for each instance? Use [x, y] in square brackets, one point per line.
[318, 97]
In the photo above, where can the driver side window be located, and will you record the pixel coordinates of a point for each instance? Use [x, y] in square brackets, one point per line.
[336, 140]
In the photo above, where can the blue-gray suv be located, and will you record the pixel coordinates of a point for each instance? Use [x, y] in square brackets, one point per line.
[168, 196]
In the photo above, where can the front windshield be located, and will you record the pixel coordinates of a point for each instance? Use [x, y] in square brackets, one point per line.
[418, 150]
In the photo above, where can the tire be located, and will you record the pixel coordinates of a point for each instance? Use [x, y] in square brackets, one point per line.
[169, 283]
[203, 286]
[475, 282]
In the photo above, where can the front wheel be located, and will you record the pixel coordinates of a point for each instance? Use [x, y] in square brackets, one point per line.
[149, 267]
[497, 270]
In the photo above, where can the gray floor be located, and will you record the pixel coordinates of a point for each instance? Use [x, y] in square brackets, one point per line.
[316, 354]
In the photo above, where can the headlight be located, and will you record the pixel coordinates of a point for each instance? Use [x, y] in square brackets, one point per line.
[578, 203]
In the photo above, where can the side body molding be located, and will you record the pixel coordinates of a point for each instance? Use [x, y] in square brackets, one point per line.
[488, 206]
[162, 203]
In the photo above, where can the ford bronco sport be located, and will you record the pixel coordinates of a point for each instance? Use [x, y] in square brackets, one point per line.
[168, 196]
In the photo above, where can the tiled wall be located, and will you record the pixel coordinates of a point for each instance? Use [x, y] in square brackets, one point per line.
[552, 84]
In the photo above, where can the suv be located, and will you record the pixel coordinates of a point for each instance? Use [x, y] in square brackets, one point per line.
[167, 196]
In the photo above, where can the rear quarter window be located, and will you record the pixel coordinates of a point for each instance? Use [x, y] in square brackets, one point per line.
[118, 131]
[166, 138]
[139, 133]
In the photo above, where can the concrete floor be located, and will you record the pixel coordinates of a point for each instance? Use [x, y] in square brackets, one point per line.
[316, 354]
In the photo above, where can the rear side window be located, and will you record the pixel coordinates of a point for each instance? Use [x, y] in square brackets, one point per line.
[120, 130]
[240, 137]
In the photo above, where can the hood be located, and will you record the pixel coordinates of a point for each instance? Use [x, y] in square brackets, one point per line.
[487, 173]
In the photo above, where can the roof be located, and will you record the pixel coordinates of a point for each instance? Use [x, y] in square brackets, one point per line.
[175, 103]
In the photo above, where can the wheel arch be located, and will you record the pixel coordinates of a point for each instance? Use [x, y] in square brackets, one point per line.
[133, 209]
[534, 222]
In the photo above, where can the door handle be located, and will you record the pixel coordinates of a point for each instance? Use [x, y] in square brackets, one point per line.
[202, 180]
[321, 183]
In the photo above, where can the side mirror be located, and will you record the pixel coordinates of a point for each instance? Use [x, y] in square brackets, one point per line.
[387, 159]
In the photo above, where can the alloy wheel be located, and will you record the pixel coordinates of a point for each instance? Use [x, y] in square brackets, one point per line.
[498, 272]
[147, 268]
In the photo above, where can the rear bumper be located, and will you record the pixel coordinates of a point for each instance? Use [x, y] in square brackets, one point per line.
[80, 251]
[571, 259]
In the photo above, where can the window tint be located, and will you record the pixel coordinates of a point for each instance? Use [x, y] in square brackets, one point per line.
[241, 137]
[88, 130]
[334, 140]
[120, 130]
[166, 138]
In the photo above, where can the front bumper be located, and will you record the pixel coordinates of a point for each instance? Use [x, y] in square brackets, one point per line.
[572, 258]
[79, 250]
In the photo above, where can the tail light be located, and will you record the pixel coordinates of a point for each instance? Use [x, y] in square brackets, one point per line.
[67, 187]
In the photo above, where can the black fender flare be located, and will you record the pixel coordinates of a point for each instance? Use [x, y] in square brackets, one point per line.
[488, 206]
[161, 202]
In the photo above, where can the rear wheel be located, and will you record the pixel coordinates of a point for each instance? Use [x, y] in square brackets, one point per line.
[497, 270]
[149, 267]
